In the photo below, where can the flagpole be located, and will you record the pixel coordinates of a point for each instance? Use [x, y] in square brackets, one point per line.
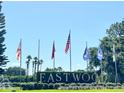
[54, 63]
[20, 58]
[101, 72]
[38, 54]
[100, 57]
[114, 60]
[70, 52]
[116, 76]
[54, 56]
[88, 59]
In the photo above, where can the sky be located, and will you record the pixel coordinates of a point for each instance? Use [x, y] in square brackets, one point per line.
[48, 21]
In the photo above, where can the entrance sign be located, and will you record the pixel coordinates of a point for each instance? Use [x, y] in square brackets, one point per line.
[66, 77]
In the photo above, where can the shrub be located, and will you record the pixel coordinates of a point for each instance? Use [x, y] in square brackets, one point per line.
[32, 85]
[17, 78]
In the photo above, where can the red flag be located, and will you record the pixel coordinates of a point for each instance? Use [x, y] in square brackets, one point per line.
[53, 51]
[18, 52]
[67, 44]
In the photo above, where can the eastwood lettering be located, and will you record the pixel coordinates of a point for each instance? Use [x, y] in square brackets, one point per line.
[66, 77]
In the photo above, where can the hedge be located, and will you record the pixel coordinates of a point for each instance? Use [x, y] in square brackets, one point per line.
[23, 78]
[39, 86]
[32, 86]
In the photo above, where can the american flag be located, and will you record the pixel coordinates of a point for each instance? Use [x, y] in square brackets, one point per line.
[67, 44]
[18, 52]
[53, 51]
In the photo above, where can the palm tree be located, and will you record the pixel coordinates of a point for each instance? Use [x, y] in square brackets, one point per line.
[40, 64]
[35, 63]
[28, 62]
[32, 67]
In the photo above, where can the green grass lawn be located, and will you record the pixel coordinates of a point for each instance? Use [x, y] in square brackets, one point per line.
[53, 90]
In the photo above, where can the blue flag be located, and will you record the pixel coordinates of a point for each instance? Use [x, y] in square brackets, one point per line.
[99, 54]
[86, 55]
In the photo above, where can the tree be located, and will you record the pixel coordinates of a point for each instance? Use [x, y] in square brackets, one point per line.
[40, 64]
[49, 70]
[116, 36]
[79, 70]
[32, 67]
[35, 63]
[109, 67]
[3, 58]
[28, 62]
[13, 71]
[93, 59]
[59, 69]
